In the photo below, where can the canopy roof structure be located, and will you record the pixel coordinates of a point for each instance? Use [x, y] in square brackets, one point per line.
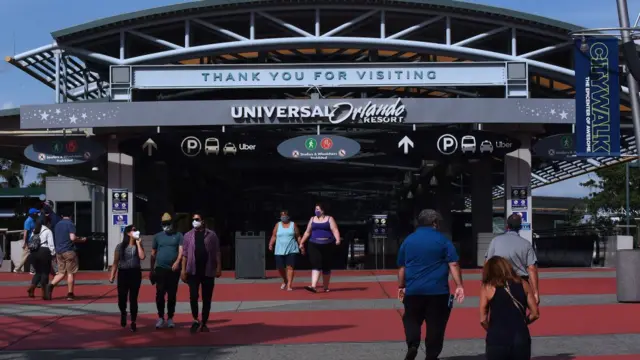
[77, 62]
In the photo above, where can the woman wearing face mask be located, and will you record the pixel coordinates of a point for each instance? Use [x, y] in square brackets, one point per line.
[126, 263]
[201, 264]
[285, 239]
[323, 233]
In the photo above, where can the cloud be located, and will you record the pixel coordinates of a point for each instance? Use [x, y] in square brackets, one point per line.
[8, 105]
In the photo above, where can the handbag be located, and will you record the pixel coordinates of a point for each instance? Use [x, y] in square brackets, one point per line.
[522, 309]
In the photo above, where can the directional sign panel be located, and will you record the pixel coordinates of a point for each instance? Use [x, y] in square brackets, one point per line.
[556, 147]
[319, 148]
[439, 143]
[64, 151]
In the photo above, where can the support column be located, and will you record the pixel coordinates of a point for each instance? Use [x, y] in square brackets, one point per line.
[444, 199]
[481, 208]
[119, 177]
[517, 175]
[158, 194]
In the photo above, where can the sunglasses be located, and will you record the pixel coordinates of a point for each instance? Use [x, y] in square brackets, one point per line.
[196, 219]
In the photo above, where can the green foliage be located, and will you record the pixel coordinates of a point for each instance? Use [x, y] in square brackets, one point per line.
[608, 193]
[12, 172]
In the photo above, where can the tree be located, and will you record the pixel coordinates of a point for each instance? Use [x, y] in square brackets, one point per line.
[42, 177]
[608, 193]
[12, 172]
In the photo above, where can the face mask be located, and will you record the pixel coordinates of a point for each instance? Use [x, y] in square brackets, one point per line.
[136, 235]
[166, 228]
[196, 224]
[318, 213]
[284, 219]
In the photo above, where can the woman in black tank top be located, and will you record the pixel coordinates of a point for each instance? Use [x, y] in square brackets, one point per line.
[504, 300]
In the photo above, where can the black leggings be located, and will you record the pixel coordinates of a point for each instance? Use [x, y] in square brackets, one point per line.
[41, 262]
[205, 285]
[321, 256]
[129, 281]
[513, 352]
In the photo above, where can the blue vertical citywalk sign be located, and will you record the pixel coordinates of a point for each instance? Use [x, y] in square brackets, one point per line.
[597, 97]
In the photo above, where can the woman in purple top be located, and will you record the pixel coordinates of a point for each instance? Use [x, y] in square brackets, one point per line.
[323, 235]
[200, 266]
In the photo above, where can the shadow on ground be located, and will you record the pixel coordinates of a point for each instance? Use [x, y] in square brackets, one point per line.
[482, 357]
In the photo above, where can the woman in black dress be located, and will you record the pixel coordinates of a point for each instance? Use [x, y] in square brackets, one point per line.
[504, 300]
[126, 263]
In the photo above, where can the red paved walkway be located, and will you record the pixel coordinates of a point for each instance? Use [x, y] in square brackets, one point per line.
[248, 328]
[293, 327]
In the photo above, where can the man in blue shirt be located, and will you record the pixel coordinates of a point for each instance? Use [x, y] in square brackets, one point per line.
[425, 259]
[65, 239]
[29, 225]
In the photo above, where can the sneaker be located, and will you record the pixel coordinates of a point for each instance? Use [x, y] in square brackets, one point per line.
[204, 328]
[32, 272]
[160, 323]
[134, 327]
[311, 289]
[412, 352]
[170, 324]
[123, 320]
[70, 296]
[283, 286]
[194, 326]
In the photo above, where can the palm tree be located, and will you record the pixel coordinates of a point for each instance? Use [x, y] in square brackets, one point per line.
[42, 177]
[12, 172]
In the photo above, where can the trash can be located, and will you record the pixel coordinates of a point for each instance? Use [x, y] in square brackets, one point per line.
[250, 255]
[628, 275]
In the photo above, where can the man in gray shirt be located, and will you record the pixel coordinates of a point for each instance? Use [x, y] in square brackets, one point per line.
[518, 251]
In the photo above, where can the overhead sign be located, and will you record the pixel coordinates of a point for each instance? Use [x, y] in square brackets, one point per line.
[192, 146]
[556, 147]
[319, 148]
[372, 112]
[308, 75]
[451, 143]
[64, 151]
[597, 97]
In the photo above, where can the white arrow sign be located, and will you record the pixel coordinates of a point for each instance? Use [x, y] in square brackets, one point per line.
[149, 145]
[406, 142]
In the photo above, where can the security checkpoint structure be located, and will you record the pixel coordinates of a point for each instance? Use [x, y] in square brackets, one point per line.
[410, 67]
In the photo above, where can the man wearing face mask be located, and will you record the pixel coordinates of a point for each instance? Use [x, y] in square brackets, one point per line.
[166, 254]
[201, 264]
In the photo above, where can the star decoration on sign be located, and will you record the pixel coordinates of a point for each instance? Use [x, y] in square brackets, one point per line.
[560, 110]
[78, 114]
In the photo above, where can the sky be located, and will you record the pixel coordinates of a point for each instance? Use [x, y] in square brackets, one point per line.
[27, 24]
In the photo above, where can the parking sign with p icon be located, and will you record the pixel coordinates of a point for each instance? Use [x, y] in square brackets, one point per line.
[447, 144]
[191, 146]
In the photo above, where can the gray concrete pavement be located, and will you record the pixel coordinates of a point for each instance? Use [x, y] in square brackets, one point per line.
[344, 279]
[544, 348]
[95, 308]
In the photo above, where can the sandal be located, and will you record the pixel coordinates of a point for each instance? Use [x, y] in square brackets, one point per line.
[311, 289]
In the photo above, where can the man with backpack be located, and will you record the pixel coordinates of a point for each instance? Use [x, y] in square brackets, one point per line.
[29, 225]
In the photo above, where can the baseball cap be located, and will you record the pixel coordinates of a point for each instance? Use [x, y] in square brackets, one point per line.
[166, 217]
[33, 211]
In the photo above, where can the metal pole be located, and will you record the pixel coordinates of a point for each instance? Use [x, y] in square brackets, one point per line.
[623, 16]
[626, 188]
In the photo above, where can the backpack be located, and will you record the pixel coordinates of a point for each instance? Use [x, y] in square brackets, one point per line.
[34, 243]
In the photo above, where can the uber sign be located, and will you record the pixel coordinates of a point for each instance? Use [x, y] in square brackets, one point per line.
[470, 144]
